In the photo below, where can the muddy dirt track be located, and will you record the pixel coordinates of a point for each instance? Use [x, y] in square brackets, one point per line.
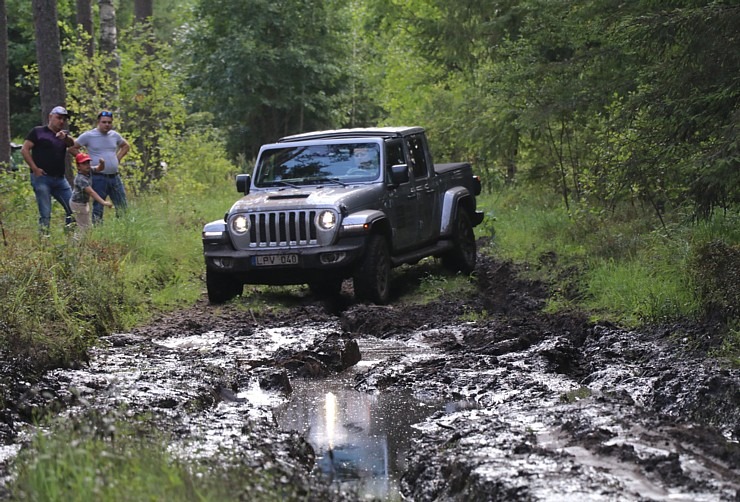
[555, 407]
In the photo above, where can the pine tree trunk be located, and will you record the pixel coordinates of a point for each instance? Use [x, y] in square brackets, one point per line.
[49, 56]
[4, 89]
[143, 14]
[143, 10]
[85, 19]
[109, 44]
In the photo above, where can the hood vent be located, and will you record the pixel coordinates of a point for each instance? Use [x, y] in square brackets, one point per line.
[292, 196]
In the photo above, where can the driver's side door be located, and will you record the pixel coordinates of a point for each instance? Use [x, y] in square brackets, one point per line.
[400, 204]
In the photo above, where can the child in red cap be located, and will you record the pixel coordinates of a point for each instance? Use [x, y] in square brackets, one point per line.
[83, 190]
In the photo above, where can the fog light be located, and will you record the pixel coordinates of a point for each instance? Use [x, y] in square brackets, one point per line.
[223, 262]
[328, 258]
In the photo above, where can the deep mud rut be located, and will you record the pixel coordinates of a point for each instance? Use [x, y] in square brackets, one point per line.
[557, 408]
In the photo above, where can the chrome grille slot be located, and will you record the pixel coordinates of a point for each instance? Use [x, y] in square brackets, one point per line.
[282, 229]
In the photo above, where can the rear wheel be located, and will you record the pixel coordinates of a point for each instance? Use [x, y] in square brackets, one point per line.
[462, 257]
[222, 287]
[372, 280]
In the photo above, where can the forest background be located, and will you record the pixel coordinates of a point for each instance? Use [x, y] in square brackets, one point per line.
[605, 133]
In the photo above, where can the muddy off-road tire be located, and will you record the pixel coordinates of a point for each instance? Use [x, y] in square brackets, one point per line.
[372, 280]
[463, 255]
[222, 287]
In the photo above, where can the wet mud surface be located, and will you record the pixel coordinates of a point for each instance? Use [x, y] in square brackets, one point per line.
[549, 407]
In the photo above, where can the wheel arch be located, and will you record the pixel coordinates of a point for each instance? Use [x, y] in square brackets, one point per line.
[454, 200]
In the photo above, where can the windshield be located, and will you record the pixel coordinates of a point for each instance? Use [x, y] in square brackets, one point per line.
[318, 164]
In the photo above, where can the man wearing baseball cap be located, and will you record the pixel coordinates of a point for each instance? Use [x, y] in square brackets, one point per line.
[45, 150]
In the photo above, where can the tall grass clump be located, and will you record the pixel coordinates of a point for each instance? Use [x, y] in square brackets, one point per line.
[107, 459]
[57, 297]
[527, 225]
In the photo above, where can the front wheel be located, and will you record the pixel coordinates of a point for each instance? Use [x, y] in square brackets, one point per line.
[222, 287]
[372, 280]
[462, 257]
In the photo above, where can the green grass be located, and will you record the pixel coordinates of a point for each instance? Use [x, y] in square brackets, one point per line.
[57, 294]
[434, 283]
[104, 459]
[623, 266]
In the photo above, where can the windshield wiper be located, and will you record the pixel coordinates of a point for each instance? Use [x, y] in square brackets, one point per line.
[327, 180]
[285, 183]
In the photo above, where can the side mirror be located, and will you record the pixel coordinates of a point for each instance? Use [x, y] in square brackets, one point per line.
[399, 174]
[243, 182]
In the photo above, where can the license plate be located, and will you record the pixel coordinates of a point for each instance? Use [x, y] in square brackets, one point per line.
[271, 260]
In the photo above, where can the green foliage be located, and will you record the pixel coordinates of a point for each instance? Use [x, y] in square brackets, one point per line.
[197, 161]
[266, 68]
[16, 194]
[599, 101]
[149, 110]
[433, 285]
[168, 16]
[88, 83]
[23, 109]
[152, 108]
[635, 292]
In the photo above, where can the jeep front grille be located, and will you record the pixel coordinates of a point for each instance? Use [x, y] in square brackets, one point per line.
[282, 228]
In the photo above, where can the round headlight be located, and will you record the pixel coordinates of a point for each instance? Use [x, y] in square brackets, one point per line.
[240, 224]
[326, 220]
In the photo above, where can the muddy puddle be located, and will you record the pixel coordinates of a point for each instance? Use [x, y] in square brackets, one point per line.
[411, 402]
[361, 439]
[205, 388]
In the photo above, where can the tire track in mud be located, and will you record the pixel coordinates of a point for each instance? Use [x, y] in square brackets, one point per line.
[564, 409]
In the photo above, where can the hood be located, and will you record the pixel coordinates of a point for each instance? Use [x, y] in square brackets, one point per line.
[356, 197]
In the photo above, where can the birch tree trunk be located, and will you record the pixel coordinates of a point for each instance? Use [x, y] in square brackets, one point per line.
[109, 44]
[49, 56]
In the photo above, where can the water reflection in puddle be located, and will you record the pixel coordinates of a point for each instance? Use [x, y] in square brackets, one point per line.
[361, 440]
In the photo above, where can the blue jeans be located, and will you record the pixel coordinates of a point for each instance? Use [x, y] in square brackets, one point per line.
[46, 187]
[108, 186]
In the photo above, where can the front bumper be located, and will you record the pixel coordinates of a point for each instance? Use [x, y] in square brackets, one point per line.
[284, 265]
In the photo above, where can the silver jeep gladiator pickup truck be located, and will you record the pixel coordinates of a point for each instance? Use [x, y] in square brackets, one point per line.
[325, 206]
